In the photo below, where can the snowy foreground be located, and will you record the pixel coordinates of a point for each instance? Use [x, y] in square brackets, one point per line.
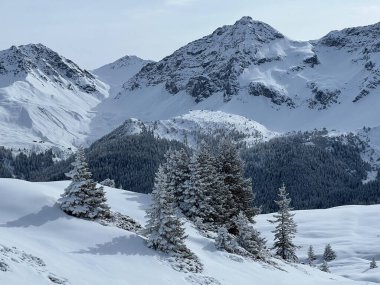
[39, 244]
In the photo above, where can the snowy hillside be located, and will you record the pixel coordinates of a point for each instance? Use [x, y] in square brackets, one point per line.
[45, 99]
[352, 231]
[189, 128]
[41, 244]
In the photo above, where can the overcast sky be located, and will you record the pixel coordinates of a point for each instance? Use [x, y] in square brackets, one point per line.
[96, 32]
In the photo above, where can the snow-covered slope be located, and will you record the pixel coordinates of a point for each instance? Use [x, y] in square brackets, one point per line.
[250, 69]
[42, 245]
[191, 127]
[352, 231]
[120, 71]
[45, 99]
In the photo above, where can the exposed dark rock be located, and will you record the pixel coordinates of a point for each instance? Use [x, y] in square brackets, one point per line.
[362, 94]
[171, 87]
[260, 89]
[200, 88]
[313, 60]
[323, 98]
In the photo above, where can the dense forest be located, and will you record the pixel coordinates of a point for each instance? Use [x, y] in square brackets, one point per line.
[319, 171]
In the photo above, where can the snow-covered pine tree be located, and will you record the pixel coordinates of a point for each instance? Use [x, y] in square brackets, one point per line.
[206, 196]
[108, 182]
[249, 238]
[225, 241]
[82, 198]
[231, 167]
[285, 229]
[329, 254]
[164, 229]
[179, 174]
[324, 267]
[373, 264]
[311, 256]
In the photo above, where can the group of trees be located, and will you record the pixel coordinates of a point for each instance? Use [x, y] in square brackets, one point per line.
[319, 171]
[209, 188]
[328, 255]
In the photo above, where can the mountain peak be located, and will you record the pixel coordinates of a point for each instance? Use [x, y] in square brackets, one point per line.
[247, 29]
[121, 70]
[44, 64]
[213, 63]
[362, 37]
[247, 20]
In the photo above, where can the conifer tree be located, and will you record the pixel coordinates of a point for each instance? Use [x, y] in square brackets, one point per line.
[206, 196]
[225, 241]
[164, 229]
[249, 238]
[82, 198]
[329, 254]
[324, 267]
[373, 264]
[179, 174]
[286, 228]
[311, 256]
[231, 167]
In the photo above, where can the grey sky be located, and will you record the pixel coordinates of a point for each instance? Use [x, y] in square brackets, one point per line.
[96, 32]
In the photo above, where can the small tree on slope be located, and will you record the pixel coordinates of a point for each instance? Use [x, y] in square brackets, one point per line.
[225, 241]
[311, 256]
[285, 229]
[329, 254]
[324, 267]
[249, 238]
[164, 230]
[373, 264]
[82, 198]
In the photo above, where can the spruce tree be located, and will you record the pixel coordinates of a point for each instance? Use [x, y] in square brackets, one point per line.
[206, 197]
[164, 229]
[329, 254]
[225, 241]
[82, 198]
[286, 228]
[231, 167]
[324, 267]
[311, 256]
[373, 264]
[249, 238]
[179, 174]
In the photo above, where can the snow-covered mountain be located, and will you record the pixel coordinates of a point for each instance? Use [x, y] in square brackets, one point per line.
[45, 99]
[250, 69]
[120, 71]
[246, 69]
[41, 244]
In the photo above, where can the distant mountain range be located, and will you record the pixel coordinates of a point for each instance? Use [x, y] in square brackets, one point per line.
[247, 69]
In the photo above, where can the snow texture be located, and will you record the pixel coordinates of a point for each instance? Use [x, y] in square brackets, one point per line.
[82, 252]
